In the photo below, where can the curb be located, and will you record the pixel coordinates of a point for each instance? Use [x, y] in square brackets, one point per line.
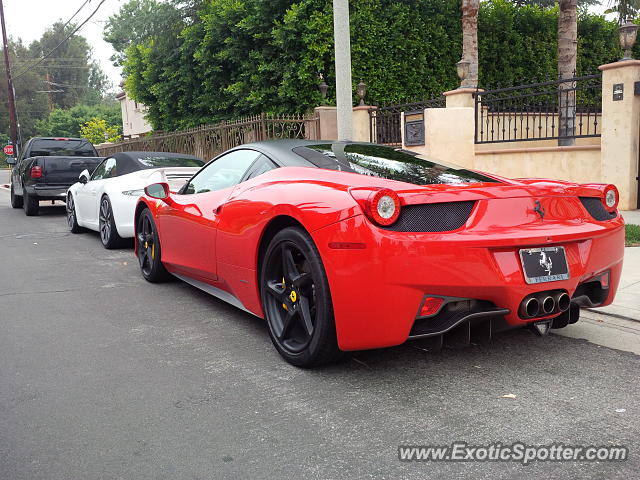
[613, 315]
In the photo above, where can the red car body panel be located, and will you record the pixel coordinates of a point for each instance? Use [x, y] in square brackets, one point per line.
[377, 288]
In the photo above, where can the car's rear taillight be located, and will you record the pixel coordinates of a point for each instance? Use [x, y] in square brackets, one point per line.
[383, 207]
[36, 172]
[430, 306]
[610, 198]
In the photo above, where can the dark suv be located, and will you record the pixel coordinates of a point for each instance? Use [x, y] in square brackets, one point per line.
[47, 167]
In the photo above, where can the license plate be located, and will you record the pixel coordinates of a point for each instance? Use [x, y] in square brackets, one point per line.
[544, 264]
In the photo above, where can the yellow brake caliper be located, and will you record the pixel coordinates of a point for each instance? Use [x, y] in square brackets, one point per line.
[284, 305]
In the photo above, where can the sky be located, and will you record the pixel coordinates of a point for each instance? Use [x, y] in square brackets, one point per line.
[28, 19]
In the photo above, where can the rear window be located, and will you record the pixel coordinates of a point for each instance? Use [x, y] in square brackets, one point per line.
[62, 148]
[387, 162]
[164, 162]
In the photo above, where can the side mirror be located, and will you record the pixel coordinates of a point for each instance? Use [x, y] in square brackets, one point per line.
[160, 191]
[84, 177]
[11, 160]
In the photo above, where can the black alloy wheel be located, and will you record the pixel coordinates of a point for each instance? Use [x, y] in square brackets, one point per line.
[297, 301]
[16, 200]
[72, 218]
[107, 225]
[148, 248]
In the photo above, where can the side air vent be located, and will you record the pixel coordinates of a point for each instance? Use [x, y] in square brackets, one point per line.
[596, 209]
[432, 217]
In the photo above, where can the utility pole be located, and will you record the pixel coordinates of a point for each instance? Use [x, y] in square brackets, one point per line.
[342, 46]
[49, 88]
[13, 116]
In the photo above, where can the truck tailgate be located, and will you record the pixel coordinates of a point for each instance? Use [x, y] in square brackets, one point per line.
[65, 171]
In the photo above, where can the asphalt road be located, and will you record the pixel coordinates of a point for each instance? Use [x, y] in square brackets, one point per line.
[105, 376]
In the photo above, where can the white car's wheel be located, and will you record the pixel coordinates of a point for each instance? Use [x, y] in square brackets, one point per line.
[107, 225]
[72, 217]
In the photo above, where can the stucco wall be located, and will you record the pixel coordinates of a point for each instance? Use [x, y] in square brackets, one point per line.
[575, 164]
[133, 121]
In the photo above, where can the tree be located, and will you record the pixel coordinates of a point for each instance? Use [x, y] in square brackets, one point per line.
[97, 131]
[551, 3]
[136, 22]
[470, 10]
[31, 104]
[234, 58]
[64, 79]
[625, 9]
[67, 70]
[66, 123]
[567, 57]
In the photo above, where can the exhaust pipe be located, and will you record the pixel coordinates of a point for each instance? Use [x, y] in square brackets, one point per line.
[548, 305]
[563, 301]
[530, 307]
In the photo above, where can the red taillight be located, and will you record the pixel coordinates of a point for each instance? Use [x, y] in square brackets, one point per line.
[383, 207]
[430, 306]
[36, 172]
[610, 198]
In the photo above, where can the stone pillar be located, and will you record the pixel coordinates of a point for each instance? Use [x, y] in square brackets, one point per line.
[449, 132]
[461, 97]
[620, 130]
[328, 119]
[361, 123]
[449, 135]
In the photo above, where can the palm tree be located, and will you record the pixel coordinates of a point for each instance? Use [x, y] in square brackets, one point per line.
[567, 54]
[470, 40]
[625, 9]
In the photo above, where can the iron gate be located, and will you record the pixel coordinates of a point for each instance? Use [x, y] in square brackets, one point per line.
[386, 121]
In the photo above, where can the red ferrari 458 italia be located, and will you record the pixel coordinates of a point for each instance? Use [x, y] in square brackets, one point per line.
[346, 246]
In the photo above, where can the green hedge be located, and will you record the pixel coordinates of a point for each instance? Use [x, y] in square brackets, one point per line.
[252, 56]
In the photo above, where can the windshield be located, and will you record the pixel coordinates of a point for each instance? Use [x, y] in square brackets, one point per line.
[387, 162]
[62, 148]
[160, 162]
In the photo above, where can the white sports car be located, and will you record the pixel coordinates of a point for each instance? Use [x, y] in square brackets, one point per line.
[105, 200]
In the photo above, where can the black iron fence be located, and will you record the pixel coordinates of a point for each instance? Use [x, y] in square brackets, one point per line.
[556, 109]
[207, 141]
[386, 122]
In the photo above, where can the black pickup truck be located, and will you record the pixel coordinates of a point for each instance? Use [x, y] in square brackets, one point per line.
[47, 167]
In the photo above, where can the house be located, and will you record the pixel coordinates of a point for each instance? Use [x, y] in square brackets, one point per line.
[133, 122]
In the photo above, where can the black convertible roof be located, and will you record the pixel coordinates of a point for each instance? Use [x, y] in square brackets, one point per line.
[129, 162]
[282, 150]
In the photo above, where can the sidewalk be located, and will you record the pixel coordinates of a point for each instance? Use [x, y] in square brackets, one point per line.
[631, 216]
[627, 302]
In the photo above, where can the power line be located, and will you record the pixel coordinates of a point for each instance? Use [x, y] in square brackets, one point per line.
[62, 85]
[60, 67]
[62, 42]
[74, 15]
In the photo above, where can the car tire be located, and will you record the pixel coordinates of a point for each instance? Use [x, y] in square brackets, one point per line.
[297, 300]
[149, 250]
[72, 217]
[31, 204]
[107, 225]
[16, 200]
